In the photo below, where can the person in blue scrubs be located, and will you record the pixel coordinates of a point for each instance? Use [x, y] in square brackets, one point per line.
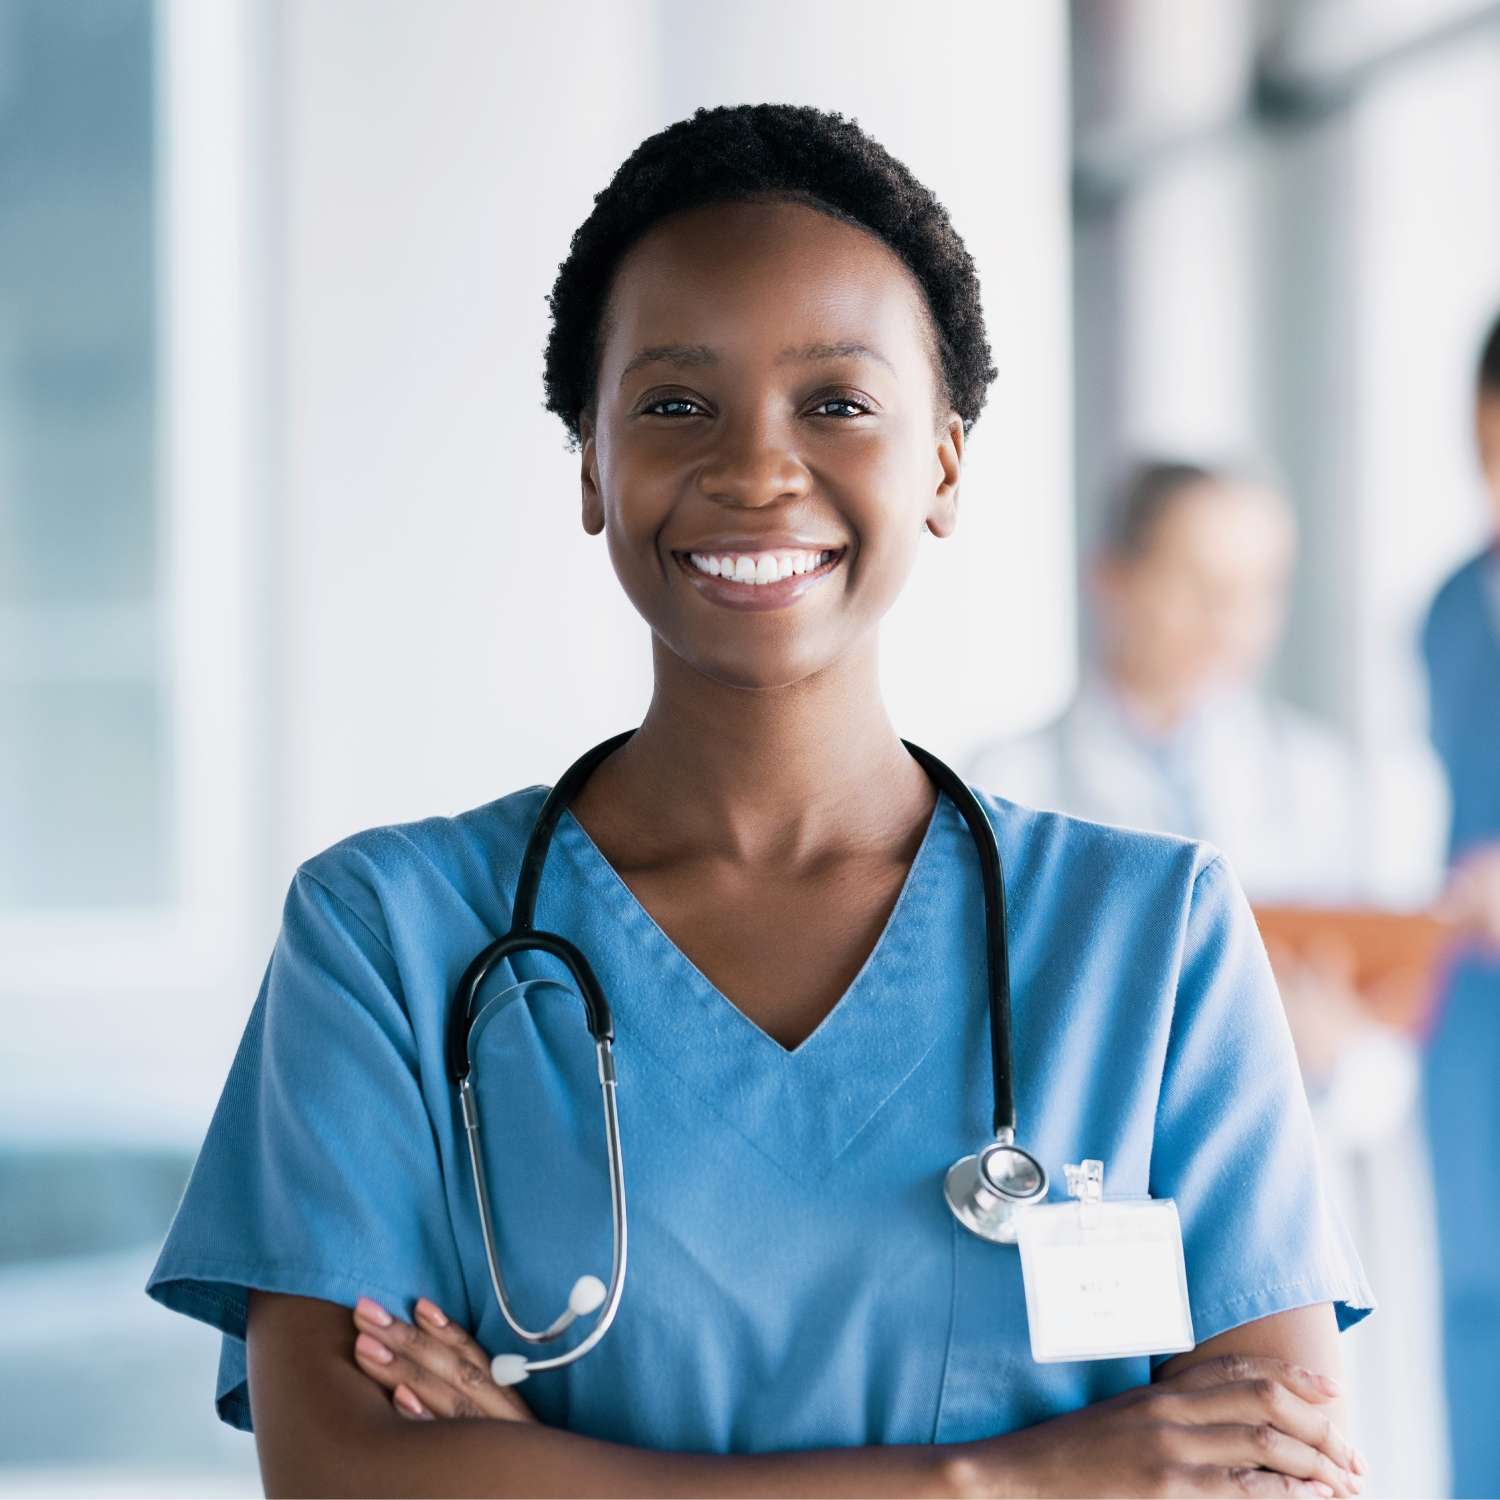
[768, 346]
[1461, 646]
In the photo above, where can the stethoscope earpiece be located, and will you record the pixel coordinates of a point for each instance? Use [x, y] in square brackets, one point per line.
[508, 1369]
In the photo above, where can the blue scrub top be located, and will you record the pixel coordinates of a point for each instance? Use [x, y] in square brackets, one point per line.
[795, 1277]
[1461, 644]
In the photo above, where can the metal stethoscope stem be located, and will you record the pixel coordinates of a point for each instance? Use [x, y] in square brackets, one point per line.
[579, 1305]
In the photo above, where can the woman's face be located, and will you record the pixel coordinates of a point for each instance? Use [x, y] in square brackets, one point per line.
[767, 408]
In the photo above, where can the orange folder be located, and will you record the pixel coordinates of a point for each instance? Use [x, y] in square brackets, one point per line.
[1392, 957]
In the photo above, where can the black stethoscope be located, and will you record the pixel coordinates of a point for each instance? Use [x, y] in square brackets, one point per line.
[987, 1191]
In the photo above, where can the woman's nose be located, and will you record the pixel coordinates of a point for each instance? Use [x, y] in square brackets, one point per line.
[753, 465]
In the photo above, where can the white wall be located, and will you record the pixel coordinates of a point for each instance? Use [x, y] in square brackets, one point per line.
[447, 631]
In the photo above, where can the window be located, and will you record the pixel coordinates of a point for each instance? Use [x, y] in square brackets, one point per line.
[84, 746]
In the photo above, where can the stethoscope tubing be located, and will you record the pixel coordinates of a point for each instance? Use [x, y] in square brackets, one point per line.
[523, 936]
[997, 946]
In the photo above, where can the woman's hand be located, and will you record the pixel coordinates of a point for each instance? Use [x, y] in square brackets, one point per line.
[433, 1368]
[1233, 1425]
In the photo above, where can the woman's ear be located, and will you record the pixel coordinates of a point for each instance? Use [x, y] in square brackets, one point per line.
[593, 501]
[948, 458]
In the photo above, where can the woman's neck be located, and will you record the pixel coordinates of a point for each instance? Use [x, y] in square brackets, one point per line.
[773, 774]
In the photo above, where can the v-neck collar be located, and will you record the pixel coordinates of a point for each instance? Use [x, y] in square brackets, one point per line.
[800, 1107]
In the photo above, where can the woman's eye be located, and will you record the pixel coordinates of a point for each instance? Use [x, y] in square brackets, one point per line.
[671, 406]
[843, 407]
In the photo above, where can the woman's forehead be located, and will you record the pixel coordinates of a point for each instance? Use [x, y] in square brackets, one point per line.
[770, 279]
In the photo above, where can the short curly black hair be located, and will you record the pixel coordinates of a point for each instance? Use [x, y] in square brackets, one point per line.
[745, 151]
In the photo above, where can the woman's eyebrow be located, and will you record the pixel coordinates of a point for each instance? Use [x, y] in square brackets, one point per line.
[834, 351]
[687, 355]
[671, 354]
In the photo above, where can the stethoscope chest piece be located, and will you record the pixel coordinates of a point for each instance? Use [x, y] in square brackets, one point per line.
[989, 1191]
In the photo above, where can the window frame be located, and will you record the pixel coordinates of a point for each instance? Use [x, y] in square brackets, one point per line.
[210, 107]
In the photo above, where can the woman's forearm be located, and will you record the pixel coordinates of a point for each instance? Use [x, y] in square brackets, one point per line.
[324, 1428]
[510, 1458]
[1235, 1414]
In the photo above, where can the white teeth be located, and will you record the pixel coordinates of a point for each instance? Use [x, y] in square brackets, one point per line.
[759, 568]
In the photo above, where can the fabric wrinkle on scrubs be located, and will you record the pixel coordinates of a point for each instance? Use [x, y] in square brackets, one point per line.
[795, 1278]
[1461, 645]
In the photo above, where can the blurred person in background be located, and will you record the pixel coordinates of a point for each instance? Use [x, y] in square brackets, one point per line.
[1173, 730]
[1461, 645]
[1170, 729]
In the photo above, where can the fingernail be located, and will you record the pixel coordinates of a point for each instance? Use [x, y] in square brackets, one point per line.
[372, 1348]
[373, 1311]
[1361, 1463]
[1329, 1384]
[432, 1312]
[1323, 1489]
[408, 1403]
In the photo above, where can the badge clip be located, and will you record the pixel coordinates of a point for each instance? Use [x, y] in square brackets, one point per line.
[1086, 1184]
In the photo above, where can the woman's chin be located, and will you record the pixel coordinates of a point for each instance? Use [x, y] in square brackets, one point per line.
[761, 676]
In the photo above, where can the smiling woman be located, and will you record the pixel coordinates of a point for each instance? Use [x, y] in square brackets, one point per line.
[768, 347]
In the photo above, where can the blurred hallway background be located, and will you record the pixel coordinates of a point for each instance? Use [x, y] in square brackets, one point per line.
[1287, 249]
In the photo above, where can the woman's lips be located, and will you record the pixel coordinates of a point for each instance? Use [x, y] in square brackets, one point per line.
[734, 593]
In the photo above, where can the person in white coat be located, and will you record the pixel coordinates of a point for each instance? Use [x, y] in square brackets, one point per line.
[1173, 730]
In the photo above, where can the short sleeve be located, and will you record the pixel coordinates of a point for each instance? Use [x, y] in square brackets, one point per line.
[320, 1175]
[1234, 1138]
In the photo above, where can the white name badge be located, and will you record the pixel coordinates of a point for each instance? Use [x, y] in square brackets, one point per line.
[1104, 1278]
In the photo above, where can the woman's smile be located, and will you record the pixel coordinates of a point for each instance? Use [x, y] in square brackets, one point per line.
[758, 578]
